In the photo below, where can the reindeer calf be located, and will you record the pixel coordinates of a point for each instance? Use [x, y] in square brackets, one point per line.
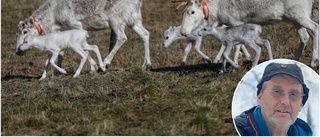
[172, 34]
[247, 34]
[54, 43]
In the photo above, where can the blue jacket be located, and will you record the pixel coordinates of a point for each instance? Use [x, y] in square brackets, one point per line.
[248, 123]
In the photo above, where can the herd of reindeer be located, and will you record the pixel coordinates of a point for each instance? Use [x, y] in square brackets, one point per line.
[58, 25]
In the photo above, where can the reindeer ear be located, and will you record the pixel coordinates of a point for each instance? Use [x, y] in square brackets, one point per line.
[21, 25]
[20, 22]
[30, 21]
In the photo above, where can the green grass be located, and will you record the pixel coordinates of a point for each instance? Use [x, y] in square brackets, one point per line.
[130, 102]
[125, 100]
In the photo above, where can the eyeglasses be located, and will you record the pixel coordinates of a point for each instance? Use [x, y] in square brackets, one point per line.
[293, 95]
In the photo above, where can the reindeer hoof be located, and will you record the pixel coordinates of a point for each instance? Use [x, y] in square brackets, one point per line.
[107, 66]
[100, 70]
[208, 61]
[63, 71]
[147, 67]
[182, 64]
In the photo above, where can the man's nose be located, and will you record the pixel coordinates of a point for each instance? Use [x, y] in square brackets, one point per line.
[285, 100]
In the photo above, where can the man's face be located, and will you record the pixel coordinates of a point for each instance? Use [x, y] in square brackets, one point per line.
[281, 100]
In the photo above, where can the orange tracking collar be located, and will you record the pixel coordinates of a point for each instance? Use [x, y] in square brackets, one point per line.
[37, 26]
[205, 10]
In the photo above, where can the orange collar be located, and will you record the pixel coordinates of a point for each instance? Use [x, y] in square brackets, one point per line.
[37, 26]
[205, 10]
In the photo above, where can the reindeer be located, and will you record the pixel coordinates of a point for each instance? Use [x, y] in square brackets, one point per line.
[234, 13]
[60, 15]
[229, 37]
[172, 34]
[56, 42]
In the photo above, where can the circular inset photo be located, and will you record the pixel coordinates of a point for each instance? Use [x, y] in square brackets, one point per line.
[278, 97]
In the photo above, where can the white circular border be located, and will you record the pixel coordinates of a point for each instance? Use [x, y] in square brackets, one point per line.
[245, 95]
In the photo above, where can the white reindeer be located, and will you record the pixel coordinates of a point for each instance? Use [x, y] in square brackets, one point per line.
[54, 43]
[237, 12]
[59, 15]
[247, 34]
[172, 34]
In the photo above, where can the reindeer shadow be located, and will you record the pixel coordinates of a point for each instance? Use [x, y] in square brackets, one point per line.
[188, 68]
[215, 68]
[10, 77]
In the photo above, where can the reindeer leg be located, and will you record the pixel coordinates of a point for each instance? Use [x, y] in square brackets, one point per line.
[121, 38]
[46, 66]
[197, 48]
[144, 34]
[59, 63]
[186, 53]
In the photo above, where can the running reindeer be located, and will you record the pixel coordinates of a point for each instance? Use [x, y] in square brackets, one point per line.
[54, 43]
[172, 34]
[60, 15]
[232, 13]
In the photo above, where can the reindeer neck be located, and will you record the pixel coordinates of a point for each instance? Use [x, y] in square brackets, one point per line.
[177, 34]
[44, 15]
[213, 9]
[40, 42]
[40, 39]
[219, 32]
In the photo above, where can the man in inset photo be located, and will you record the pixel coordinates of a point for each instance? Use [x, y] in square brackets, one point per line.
[280, 96]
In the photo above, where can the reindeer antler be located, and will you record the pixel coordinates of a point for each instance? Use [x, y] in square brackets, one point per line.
[184, 3]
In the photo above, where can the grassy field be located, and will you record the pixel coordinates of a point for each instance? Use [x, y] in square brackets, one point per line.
[125, 100]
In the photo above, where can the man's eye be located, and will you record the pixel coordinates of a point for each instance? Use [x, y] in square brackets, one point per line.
[276, 91]
[293, 94]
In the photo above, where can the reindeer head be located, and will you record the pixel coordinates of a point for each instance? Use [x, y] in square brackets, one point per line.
[26, 45]
[204, 31]
[25, 28]
[194, 16]
[169, 36]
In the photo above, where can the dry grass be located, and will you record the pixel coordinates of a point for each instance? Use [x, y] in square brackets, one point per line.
[125, 100]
